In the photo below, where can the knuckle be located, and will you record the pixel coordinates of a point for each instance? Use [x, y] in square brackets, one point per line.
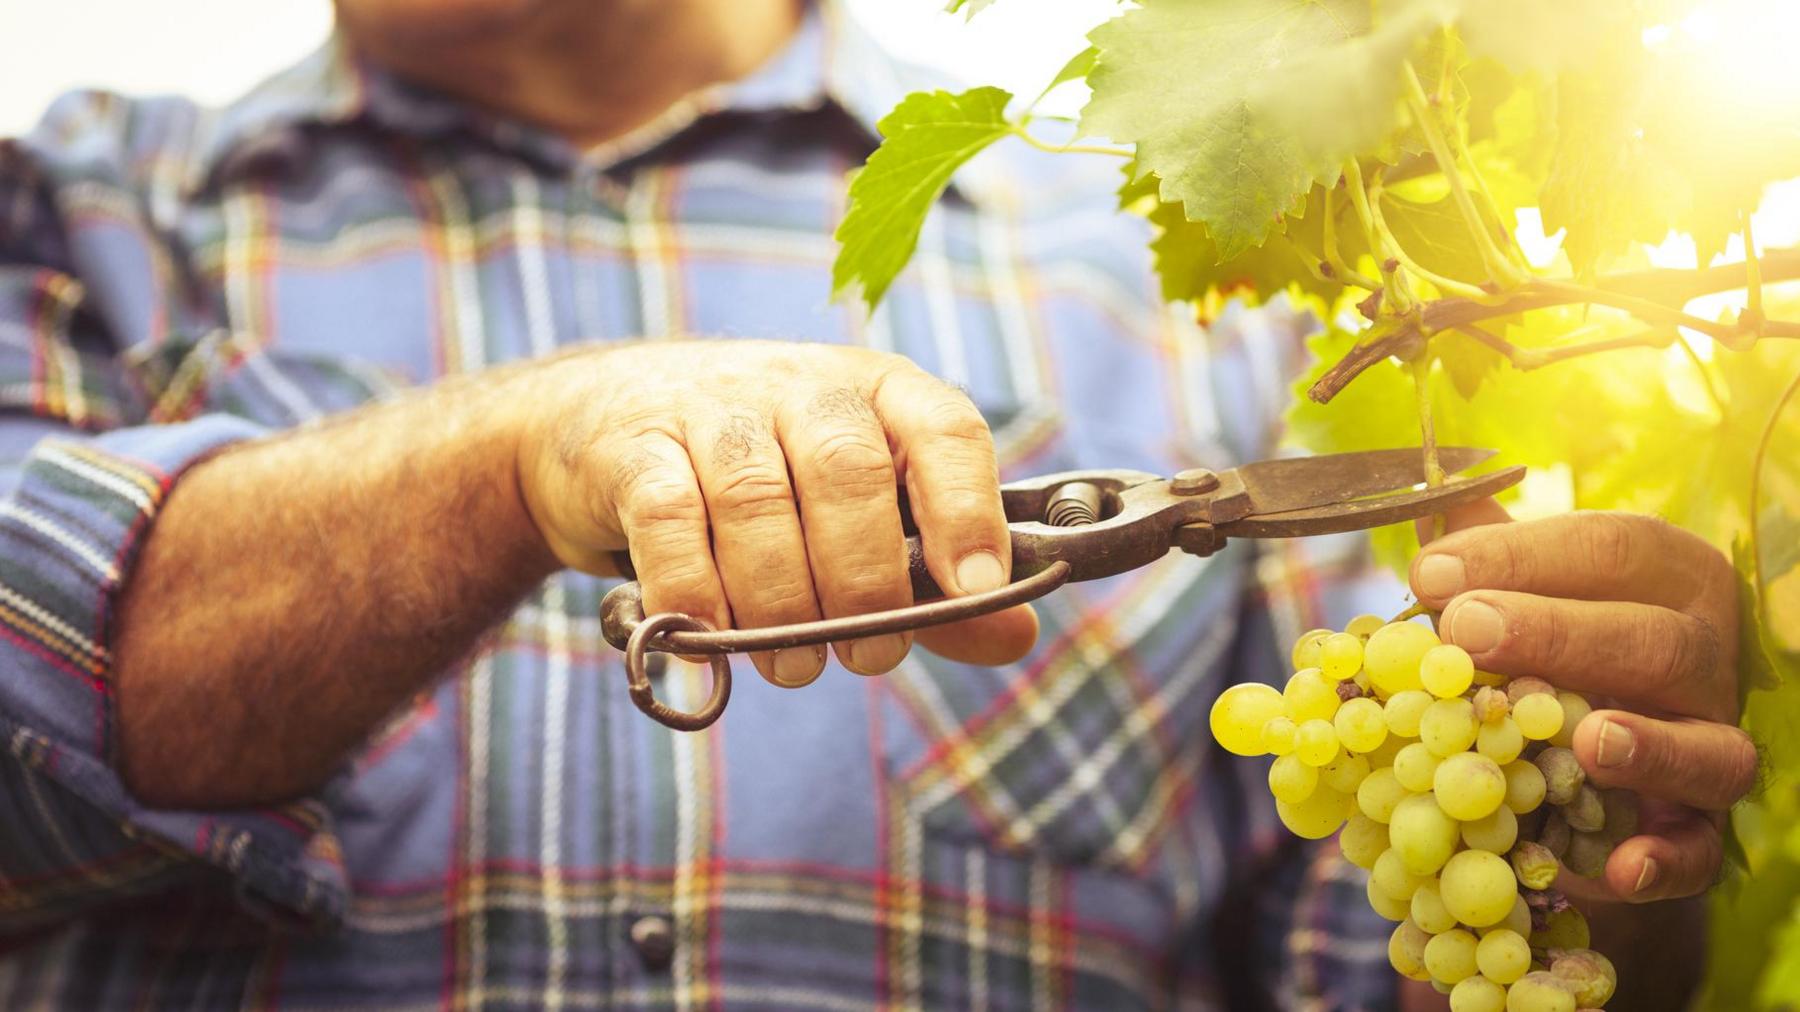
[854, 463]
[753, 492]
[1742, 767]
[1606, 541]
[664, 504]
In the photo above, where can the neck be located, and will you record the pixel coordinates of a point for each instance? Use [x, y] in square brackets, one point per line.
[591, 72]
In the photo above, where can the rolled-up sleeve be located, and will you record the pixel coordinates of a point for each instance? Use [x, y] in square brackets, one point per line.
[83, 473]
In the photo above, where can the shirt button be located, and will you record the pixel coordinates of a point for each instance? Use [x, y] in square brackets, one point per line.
[654, 939]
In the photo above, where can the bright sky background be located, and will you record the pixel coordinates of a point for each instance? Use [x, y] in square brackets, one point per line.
[215, 49]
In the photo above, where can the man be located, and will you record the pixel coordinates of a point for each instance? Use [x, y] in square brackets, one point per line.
[304, 698]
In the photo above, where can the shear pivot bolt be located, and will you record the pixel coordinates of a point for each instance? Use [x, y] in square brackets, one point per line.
[1194, 481]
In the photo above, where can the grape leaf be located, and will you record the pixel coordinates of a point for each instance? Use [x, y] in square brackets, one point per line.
[925, 140]
[1079, 66]
[1242, 106]
[1187, 260]
[974, 6]
[1763, 663]
[1435, 235]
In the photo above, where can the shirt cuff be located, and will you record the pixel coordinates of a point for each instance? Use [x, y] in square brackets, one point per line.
[69, 534]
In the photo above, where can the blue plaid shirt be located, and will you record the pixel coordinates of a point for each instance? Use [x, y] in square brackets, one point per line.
[1056, 833]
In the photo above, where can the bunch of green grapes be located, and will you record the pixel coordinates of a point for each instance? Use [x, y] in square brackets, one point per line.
[1457, 790]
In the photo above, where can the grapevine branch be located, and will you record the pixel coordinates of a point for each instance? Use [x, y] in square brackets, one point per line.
[1652, 292]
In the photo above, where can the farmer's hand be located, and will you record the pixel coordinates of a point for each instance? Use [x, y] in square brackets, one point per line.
[1637, 614]
[756, 485]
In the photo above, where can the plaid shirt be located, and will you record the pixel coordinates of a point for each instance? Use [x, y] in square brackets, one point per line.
[1056, 833]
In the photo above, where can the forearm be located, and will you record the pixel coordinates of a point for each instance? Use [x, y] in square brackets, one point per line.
[294, 591]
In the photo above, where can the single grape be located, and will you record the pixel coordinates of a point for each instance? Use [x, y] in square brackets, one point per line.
[1448, 726]
[1621, 814]
[1554, 833]
[1306, 648]
[1524, 786]
[1392, 655]
[1538, 715]
[1360, 725]
[1469, 786]
[1490, 704]
[1450, 957]
[1503, 955]
[1490, 678]
[1539, 992]
[1586, 813]
[1363, 840]
[1240, 712]
[1500, 740]
[1364, 626]
[1565, 929]
[1574, 706]
[1422, 834]
[1345, 773]
[1384, 753]
[1385, 905]
[1309, 696]
[1477, 994]
[1495, 832]
[1414, 767]
[1340, 656]
[1278, 736]
[1446, 671]
[1291, 780]
[1519, 688]
[1590, 974]
[1428, 910]
[1403, 711]
[1478, 887]
[1406, 950]
[1318, 816]
[1379, 794]
[1316, 743]
[1563, 775]
[1391, 875]
[1534, 865]
[1586, 854]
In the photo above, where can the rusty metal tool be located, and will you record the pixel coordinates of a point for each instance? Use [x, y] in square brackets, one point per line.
[1083, 525]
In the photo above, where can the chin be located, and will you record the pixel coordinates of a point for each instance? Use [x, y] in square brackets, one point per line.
[414, 22]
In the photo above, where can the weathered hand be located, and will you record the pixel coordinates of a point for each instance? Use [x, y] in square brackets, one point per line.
[1639, 615]
[756, 484]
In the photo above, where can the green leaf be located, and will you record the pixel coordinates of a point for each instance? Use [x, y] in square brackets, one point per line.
[1079, 66]
[1435, 235]
[1242, 106]
[925, 140]
[1763, 662]
[1188, 264]
[974, 7]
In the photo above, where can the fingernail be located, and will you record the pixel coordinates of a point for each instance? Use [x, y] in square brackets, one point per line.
[797, 666]
[1476, 627]
[1646, 877]
[1615, 746]
[877, 654]
[979, 572]
[1441, 575]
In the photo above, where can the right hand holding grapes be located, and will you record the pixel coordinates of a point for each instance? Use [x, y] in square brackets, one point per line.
[1633, 611]
[756, 484]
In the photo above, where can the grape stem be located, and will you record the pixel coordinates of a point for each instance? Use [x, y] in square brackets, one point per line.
[1667, 288]
[1020, 132]
[1345, 272]
[1500, 269]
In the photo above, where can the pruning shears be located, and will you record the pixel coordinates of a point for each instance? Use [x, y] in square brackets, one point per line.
[1083, 525]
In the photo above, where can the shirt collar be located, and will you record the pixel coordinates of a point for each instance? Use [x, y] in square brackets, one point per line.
[831, 62]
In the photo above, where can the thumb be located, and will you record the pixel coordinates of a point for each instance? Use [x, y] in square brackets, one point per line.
[1456, 518]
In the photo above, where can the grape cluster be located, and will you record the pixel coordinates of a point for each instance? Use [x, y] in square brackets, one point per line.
[1457, 790]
